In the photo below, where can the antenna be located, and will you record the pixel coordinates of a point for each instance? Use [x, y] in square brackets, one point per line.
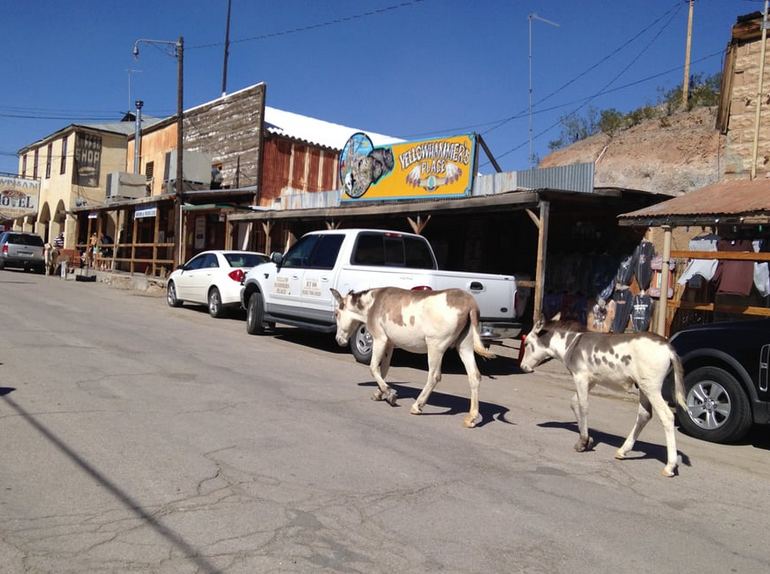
[533, 16]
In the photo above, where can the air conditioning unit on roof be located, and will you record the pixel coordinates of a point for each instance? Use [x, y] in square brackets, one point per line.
[195, 165]
[122, 185]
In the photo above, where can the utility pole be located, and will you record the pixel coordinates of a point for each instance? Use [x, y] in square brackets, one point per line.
[688, 45]
[227, 50]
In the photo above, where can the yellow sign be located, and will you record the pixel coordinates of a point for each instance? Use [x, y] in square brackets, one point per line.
[438, 168]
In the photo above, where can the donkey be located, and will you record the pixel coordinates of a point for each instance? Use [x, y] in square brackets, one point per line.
[418, 321]
[625, 360]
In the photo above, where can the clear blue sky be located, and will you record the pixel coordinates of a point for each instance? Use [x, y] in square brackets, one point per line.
[407, 68]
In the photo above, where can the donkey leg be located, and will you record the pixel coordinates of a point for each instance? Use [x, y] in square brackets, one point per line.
[580, 408]
[643, 416]
[465, 350]
[379, 352]
[434, 375]
[666, 417]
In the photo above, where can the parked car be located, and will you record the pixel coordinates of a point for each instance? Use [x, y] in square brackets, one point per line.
[20, 249]
[212, 278]
[726, 378]
[295, 288]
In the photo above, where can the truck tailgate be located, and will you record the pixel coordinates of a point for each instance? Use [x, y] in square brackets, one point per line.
[493, 293]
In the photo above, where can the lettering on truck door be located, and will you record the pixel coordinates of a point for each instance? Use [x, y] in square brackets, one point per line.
[318, 278]
[285, 288]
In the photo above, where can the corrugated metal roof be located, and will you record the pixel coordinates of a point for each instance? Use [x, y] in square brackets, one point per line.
[739, 197]
[315, 131]
[577, 177]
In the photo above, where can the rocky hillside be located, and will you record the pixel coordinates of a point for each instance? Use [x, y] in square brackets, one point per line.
[671, 155]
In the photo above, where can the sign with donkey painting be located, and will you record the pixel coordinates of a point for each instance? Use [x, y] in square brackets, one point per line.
[437, 168]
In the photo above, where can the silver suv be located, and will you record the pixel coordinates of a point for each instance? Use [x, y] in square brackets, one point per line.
[19, 249]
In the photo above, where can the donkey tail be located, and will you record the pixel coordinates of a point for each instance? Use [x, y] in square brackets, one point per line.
[478, 346]
[678, 380]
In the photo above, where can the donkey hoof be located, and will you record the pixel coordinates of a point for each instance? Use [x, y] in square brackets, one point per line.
[668, 471]
[620, 455]
[377, 395]
[391, 397]
[471, 421]
[583, 445]
[416, 409]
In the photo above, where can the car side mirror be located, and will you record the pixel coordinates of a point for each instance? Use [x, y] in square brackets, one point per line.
[276, 258]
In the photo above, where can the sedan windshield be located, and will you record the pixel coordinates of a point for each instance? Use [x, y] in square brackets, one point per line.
[245, 259]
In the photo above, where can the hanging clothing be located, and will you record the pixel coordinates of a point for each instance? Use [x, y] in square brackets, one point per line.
[761, 270]
[703, 267]
[643, 256]
[641, 313]
[734, 277]
[623, 303]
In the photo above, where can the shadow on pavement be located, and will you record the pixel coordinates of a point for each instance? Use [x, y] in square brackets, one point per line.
[189, 551]
[453, 404]
[648, 449]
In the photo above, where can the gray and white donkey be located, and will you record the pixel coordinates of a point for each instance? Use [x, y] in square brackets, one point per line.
[624, 360]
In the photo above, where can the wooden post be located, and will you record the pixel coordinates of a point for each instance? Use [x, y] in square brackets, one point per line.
[418, 225]
[229, 228]
[116, 239]
[267, 226]
[542, 250]
[663, 301]
[688, 44]
[333, 224]
[155, 233]
[133, 244]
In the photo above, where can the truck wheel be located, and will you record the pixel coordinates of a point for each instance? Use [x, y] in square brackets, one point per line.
[361, 345]
[718, 409]
[254, 313]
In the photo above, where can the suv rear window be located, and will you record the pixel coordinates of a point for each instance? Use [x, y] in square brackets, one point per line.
[21, 239]
[383, 250]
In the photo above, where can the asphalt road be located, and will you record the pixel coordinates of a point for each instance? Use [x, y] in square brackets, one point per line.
[139, 438]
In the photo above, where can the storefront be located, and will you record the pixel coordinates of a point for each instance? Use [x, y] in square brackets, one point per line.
[717, 241]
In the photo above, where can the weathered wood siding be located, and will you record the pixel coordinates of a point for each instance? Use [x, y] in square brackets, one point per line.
[228, 130]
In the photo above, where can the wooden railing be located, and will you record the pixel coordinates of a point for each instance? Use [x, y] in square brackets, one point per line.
[155, 264]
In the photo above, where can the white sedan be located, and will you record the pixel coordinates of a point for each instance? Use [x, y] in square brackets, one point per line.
[212, 278]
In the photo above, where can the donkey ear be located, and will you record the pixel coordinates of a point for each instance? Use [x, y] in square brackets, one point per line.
[537, 327]
[557, 317]
[336, 295]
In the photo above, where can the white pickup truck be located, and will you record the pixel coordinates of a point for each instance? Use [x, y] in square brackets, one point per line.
[295, 288]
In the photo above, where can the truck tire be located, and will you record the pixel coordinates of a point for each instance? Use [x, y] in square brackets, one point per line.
[361, 345]
[718, 407]
[255, 310]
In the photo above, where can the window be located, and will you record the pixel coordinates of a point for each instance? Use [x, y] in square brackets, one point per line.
[299, 254]
[48, 158]
[195, 263]
[245, 259]
[149, 169]
[63, 161]
[34, 163]
[209, 261]
[24, 165]
[325, 252]
[380, 249]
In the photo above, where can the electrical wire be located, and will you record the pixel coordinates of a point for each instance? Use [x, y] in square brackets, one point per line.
[333, 22]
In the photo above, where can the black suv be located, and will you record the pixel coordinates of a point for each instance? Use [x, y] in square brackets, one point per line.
[726, 378]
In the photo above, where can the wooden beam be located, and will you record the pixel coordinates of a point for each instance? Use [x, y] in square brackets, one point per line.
[715, 307]
[155, 233]
[662, 306]
[722, 255]
[533, 217]
[267, 227]
[117, 238]
[331, 224]
[542, 250]
[418, 225]
[133, 244]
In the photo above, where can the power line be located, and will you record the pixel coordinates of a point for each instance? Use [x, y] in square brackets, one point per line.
[335, 21]
[602, 90]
